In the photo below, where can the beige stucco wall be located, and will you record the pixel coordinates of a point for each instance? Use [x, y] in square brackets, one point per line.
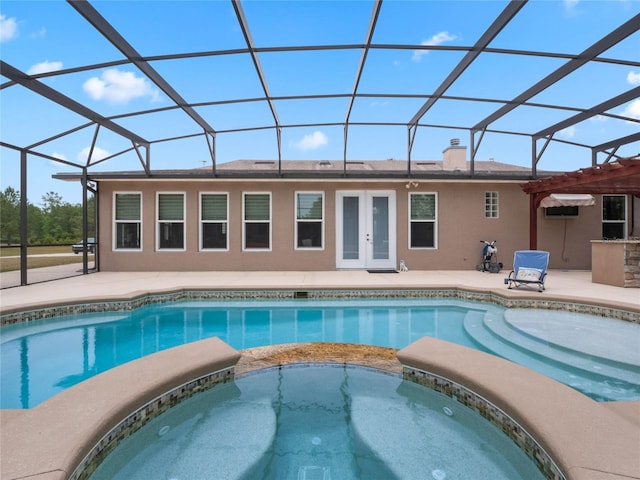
[461, 227]
[569, 240]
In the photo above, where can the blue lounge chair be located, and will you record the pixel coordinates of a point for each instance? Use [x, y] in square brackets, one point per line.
[529, 268]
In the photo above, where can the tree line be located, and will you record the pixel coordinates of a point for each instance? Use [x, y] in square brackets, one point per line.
[55, 222]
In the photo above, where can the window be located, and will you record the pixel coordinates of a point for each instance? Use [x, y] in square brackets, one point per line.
[213, 221]
[614, 216]
[309, 220]
[127, 212]
[257, 221]
[170, 221]
[422, 220]
[491, 204]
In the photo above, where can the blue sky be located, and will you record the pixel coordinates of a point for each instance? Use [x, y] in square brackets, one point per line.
[48, 36]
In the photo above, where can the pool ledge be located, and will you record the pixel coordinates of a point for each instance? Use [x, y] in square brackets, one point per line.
[50, 440]
[587, 440]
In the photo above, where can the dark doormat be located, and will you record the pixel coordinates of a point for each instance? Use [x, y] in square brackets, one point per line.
[383, 271]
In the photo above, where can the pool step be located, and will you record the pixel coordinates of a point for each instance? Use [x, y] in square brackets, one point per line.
[490, 331]
[584, 361]
[610, 340]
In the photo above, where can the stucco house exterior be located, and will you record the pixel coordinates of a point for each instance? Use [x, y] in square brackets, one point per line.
[326, 215]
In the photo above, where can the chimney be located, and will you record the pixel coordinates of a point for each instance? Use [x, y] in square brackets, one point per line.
[454, 157]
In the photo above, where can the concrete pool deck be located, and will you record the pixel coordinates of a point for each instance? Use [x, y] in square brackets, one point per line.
[572, 285]
[605, 449]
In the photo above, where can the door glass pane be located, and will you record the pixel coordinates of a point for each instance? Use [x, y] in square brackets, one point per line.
[350, 228]
[380, 222]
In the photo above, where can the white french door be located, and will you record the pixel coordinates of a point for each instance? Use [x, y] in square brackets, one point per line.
[365, 229]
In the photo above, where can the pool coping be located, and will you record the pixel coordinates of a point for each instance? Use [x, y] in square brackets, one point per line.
[50, 440]
[508, 299]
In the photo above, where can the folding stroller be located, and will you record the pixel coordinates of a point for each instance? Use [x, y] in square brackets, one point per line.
[529, 268]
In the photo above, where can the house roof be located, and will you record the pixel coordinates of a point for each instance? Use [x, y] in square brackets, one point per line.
[376, 169]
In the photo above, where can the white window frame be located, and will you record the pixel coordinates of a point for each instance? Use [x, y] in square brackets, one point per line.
[434, 221]
[202, 222]
[183, 221]
[245, 222]
[491, 204]
[114, 237]
[296, 220]
[625, 222]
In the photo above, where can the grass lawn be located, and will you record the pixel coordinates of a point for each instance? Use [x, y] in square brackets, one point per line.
[10, 264]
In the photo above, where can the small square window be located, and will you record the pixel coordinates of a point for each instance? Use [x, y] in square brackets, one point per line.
[491, 204]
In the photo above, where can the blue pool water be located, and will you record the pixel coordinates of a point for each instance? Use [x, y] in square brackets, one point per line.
[42, 358]
[318, 423]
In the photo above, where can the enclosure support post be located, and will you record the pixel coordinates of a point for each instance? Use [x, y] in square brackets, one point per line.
[23, 217]
[533, 222]
[85, 224]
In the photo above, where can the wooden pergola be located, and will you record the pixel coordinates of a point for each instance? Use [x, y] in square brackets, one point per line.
[619, 177]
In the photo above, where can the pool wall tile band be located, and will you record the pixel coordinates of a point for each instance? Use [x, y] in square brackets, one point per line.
[143, 415]
[493, 414]
[186, 295]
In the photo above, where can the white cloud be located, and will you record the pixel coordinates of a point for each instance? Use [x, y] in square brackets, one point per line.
[8, 28]
[116, 86]
[39, 34]
[570, 5]
[568, 132]
[633, 110]
[98, 154]
[312, 142]
[598, 118]
[60, 156]
[437, 39]
[44, 67]
[633, 78]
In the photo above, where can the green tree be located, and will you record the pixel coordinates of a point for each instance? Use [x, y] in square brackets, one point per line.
[61, 221]
[35, 220]
[10, 216]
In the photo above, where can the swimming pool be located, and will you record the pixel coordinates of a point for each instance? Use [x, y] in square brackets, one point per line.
[318, 422]
[41, 358]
